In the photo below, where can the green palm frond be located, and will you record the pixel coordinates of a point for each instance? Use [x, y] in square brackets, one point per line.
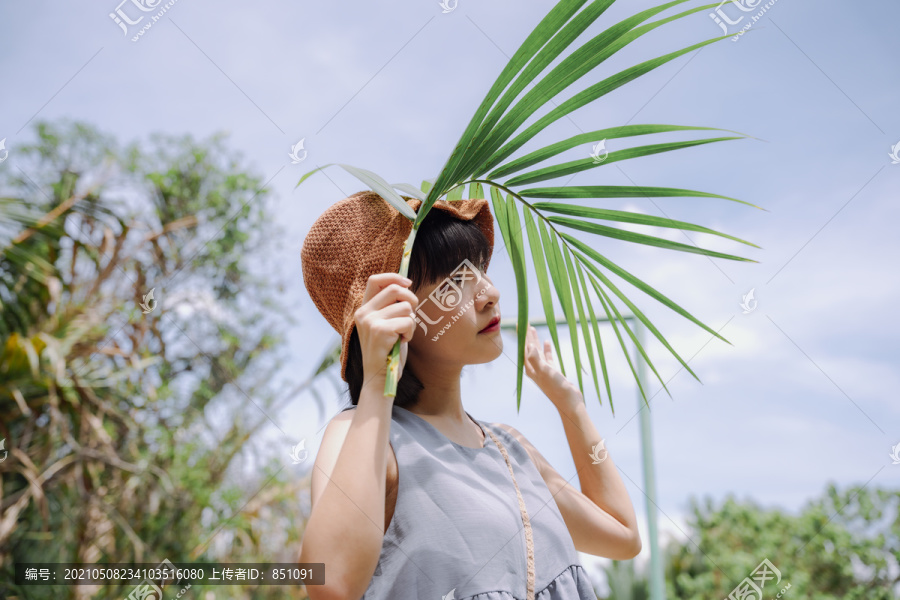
[482, 160]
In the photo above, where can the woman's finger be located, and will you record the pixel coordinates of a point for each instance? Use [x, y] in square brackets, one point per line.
[404, 327]
[531, 342]
[402, 308]
[385, 291]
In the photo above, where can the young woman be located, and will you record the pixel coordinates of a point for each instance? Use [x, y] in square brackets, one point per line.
[412, 497]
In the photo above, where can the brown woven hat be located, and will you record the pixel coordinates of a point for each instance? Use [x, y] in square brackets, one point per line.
[360, 236]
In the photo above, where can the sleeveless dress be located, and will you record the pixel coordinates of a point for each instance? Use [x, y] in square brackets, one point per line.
[457, 530]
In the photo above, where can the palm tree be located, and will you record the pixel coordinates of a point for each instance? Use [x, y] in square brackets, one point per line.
[481, 159]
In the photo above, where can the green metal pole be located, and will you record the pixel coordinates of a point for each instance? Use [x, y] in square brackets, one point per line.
[656, 575]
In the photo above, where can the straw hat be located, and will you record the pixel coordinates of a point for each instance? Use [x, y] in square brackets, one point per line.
[360, 236]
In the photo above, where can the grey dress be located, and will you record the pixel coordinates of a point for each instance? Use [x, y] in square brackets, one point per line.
[457, 532]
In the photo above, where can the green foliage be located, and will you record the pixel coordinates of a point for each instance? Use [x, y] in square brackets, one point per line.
[845, 544]
[625, 583]
[106, 410]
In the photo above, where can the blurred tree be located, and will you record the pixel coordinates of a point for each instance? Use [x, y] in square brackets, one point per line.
[844, 545]
[137, 352]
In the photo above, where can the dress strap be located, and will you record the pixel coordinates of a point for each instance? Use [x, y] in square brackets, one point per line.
[529, 540]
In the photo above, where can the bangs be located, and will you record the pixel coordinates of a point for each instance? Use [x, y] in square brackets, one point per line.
[441, 245]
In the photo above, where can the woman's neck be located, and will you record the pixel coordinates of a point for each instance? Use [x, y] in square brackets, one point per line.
[440, 403]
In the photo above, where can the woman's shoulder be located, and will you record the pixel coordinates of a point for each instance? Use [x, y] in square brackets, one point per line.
[345, 413]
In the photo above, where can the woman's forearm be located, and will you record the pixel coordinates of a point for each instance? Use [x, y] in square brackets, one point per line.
[600, 482]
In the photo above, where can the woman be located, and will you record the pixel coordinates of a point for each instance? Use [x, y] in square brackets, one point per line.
[412, 497]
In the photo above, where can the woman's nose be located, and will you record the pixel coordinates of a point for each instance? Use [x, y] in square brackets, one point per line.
[486, 293]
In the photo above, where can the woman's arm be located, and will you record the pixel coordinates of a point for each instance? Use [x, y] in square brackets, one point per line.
[601, 516]
[346, 526]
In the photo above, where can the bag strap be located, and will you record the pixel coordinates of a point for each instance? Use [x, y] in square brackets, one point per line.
[529, 541]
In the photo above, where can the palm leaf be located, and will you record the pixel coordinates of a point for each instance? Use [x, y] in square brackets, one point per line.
[517, 255]
[582, 317]
[607, 303]
[411, 190]
[483, 156]
[544, 31]
[647, 289]
[639, 238]
[610, 133]
[619, 191]
[563, 291]
[583, 164]
[628, 217]
[596, 330]
[540, 267]
[378, 185]
[570, 70]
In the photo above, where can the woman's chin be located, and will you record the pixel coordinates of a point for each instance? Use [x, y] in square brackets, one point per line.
[490, 348]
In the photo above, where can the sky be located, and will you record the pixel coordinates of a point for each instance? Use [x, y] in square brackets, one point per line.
[803, 396]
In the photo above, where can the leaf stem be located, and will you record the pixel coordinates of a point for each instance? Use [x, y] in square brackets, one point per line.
[393, 359]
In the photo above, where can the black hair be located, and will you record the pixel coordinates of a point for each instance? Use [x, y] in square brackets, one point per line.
[441, 244]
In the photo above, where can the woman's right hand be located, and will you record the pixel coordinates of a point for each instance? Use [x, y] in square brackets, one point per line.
[386, 314]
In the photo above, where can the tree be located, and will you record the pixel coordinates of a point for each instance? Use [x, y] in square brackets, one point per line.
[131, 321]
[843, 545]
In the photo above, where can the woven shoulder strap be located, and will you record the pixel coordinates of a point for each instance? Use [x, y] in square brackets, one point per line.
[529, 540]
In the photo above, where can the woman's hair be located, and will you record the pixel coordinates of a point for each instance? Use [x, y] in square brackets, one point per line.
[442, 243]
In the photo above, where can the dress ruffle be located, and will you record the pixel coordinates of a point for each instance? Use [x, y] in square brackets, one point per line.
[571, 584]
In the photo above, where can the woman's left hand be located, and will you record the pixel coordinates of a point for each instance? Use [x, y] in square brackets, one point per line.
[541, 368]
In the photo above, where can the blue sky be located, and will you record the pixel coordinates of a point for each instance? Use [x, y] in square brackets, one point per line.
[806, 393]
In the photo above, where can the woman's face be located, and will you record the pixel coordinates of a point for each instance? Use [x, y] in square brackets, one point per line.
[452, 316]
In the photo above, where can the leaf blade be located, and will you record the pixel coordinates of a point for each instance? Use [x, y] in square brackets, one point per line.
[584, 164]
[625, 216]
[644, 287]
[517, 255]
[640, 238]
[382, 188]
[619, 191]
[540, 267]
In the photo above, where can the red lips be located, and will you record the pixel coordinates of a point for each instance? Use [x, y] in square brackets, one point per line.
[492, 326]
